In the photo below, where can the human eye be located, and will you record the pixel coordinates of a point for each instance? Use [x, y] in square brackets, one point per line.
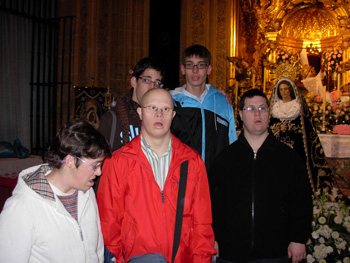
[158, 84]
[201, 65]
[147, 81]
[263, 108]
[250, 108]
[166, 109]
[153, 108]
[189, 65]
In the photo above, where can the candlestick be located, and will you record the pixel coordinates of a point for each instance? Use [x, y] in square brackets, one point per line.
[324, 98]
[338, 86]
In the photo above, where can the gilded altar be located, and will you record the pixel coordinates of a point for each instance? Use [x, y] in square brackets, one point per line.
[286, 28]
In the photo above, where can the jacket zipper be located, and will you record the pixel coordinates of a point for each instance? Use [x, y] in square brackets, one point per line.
[162, 193]
[253, 203]
[81, 233]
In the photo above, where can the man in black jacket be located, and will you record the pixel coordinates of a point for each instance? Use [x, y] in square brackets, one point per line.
[262, 208]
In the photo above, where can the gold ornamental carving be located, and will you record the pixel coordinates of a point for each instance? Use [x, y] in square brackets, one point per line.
[310, 24]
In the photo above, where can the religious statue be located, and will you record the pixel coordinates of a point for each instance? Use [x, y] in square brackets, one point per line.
[245, 73]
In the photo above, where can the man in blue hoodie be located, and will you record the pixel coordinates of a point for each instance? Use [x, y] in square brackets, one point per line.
[204, 120]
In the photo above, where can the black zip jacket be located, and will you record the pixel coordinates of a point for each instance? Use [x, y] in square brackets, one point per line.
[261, 201]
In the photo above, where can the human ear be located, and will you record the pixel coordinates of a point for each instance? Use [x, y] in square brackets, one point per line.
[139, 111]
[133, 82]
[209, 69]
[183, 71]
[69, 161]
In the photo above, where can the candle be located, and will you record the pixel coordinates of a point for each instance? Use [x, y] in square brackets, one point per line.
[236, 92]
[324, 98]
[338, 85]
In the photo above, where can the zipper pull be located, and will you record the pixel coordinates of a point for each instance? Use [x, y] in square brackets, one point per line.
[81, 233]
[255, 153]
[162, 193]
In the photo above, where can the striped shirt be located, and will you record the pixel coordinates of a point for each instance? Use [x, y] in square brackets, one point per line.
[160, 166]
[70, 202]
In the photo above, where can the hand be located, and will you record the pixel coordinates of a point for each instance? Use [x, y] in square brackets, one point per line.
[216, 247]
[296, 251]
[228, 98]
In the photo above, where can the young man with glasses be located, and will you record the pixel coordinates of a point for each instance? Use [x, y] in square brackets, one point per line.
[138, 192]
[262, 208]
[148, 73]
[204, 120]
[52, 215]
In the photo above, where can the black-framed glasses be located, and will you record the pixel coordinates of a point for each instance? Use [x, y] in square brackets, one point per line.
[148, 81]
[252, 109]
[201, 65]
[154, 110]
[95, 167]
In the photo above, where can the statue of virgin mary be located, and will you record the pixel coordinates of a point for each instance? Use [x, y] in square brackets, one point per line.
[291, 123]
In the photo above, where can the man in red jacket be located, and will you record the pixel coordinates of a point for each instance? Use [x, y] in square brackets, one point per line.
[138, 191]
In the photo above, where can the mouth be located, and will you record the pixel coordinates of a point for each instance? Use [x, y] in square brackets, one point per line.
[158, 125]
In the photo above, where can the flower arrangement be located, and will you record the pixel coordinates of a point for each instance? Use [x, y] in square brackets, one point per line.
[334, 115]
[342, 129]
[330, 238]
[332, 59]
[287, 56]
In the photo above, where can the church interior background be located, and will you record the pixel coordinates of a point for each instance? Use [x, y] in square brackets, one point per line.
[91, 46]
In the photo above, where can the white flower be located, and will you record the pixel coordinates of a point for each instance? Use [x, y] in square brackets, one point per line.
[310, 259]
[322, 220]
[329, 249]
[338, 220]
[346, 260]
[335, 234]
[321, 240]
[315, 235]
[322, 261]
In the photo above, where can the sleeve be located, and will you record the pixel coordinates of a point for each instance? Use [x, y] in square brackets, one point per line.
[232, 126]
[217, 194]
[203, 235]
[16, 232]
[110, 199]
[100, 246]
[301, 204]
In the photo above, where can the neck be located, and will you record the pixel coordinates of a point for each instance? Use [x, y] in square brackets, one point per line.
[159, 145]
[196, 90]
[255, 141]
[57, 178]
[287, 100]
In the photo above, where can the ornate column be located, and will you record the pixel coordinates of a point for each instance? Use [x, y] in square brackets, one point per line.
[208, 23]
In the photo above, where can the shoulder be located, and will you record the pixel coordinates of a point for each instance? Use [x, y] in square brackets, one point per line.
[214, 96]
[282, 150]
[177, 92]
[183, 151]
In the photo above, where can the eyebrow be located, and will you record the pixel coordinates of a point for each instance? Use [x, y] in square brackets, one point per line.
[150, 77]
[201, 61]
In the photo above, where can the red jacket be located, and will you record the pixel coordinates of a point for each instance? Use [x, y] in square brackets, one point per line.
[136, 219]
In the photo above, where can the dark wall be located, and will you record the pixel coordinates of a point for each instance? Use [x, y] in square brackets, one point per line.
[165, 38]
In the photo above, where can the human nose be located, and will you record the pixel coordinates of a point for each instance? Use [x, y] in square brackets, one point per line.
[257, 111]
[98, 171]
[195, 68]
[159, 112]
